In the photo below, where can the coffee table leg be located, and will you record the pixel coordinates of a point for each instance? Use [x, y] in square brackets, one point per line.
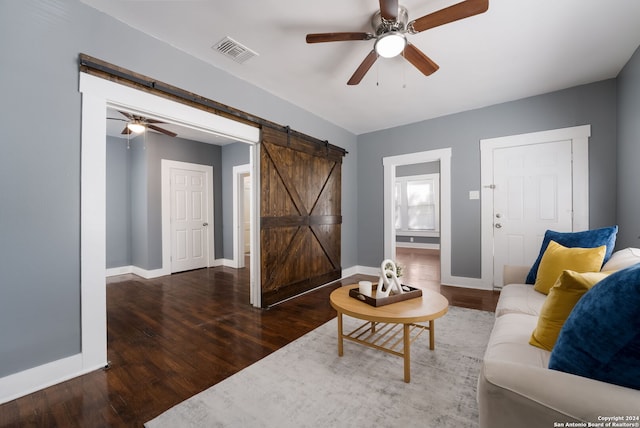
[432, 335]
[407, 353]
[340, 350]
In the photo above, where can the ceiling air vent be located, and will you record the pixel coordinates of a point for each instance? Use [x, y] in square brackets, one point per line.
[234, 50]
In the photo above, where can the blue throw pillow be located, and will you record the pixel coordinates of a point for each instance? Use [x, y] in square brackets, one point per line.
[601, 338]
[586, 239]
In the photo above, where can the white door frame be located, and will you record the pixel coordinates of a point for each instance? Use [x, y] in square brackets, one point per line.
[390, 163]
[97, 94]
[165, 171]
[238, 213]
[579, 136]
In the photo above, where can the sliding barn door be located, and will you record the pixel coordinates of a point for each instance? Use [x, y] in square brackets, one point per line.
[300, 215]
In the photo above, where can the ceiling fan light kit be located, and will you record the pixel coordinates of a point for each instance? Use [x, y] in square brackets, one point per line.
[391, 24]
[136, 127]
[390, 44]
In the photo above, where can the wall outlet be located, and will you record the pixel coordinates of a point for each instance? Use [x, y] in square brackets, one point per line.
[411, 239]
[474, 194]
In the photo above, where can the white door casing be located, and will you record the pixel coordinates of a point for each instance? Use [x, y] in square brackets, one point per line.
[192, 216]
[512, 246]
[444, 157]
[97, 94]
[242, 199]
[246, 213]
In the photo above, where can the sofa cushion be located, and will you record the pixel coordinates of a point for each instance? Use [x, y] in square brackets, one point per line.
[601, 337]
[509, 342]
[519, 299]
[586, 239]
[622, 259]
[563, 296]
[558, 258]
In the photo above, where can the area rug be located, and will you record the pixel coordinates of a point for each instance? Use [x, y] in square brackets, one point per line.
[306, 383]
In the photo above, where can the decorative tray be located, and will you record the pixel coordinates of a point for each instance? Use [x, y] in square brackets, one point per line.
[382, 301]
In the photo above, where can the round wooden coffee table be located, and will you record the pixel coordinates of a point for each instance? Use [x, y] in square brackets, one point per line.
[391, 328]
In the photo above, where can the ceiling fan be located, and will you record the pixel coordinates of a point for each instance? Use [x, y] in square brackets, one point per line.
[137, 124]
[391, 24]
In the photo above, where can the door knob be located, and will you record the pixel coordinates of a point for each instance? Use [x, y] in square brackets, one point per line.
[205, 224]
[498, 225]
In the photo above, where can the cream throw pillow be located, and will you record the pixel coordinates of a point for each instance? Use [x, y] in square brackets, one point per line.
[563, 296]
[558, 258]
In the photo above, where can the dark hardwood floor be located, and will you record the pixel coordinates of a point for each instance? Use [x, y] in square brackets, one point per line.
[172, 337]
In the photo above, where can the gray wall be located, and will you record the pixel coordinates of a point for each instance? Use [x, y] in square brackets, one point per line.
[118, 203]
[232, 155]
[593, 104]
[628, 173]
[40, 177]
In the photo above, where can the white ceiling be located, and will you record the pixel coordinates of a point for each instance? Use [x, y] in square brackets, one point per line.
[518, 48]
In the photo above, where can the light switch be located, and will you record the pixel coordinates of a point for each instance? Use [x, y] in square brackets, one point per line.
[474, 194]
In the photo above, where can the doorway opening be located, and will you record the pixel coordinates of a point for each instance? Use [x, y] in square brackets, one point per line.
[393, 166]
[97, 95]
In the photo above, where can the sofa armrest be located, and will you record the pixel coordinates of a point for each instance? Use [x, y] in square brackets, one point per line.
[514, 274]
[547, 395]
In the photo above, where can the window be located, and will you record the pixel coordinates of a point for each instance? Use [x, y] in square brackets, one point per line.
[417, 205]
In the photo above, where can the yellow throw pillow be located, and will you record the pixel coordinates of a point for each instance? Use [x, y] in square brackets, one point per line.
[557, 258]
[563, 296]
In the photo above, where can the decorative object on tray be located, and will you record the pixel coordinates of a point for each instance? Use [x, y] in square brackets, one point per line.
[365, 287]
[388, 282]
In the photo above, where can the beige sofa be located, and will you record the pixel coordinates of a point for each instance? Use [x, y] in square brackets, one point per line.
[516, 387]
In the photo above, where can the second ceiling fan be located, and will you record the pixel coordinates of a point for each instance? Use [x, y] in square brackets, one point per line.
[137, 123]
[391, 24]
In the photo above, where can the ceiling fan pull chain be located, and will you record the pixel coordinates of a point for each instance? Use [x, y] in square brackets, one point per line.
[404, 74]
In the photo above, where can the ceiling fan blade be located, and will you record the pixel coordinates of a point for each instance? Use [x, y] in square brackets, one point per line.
[125, 114]
[153, 121]
[420, 61]
[363, 68]
[449, 14]
[164, 131]
[126, 131]
[389, 9]
[337, 37]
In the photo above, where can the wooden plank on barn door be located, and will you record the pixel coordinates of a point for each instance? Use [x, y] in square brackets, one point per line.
[300, 215]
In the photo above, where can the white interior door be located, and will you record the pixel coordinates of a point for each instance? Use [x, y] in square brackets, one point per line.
[532, 187]
[189, 220]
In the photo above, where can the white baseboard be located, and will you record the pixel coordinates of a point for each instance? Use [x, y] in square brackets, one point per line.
[156, 273]
[121, 270]
[143, 273]
[464, 282]
[31, 380]
[149, 274]
[420, 245]
[225, 262]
